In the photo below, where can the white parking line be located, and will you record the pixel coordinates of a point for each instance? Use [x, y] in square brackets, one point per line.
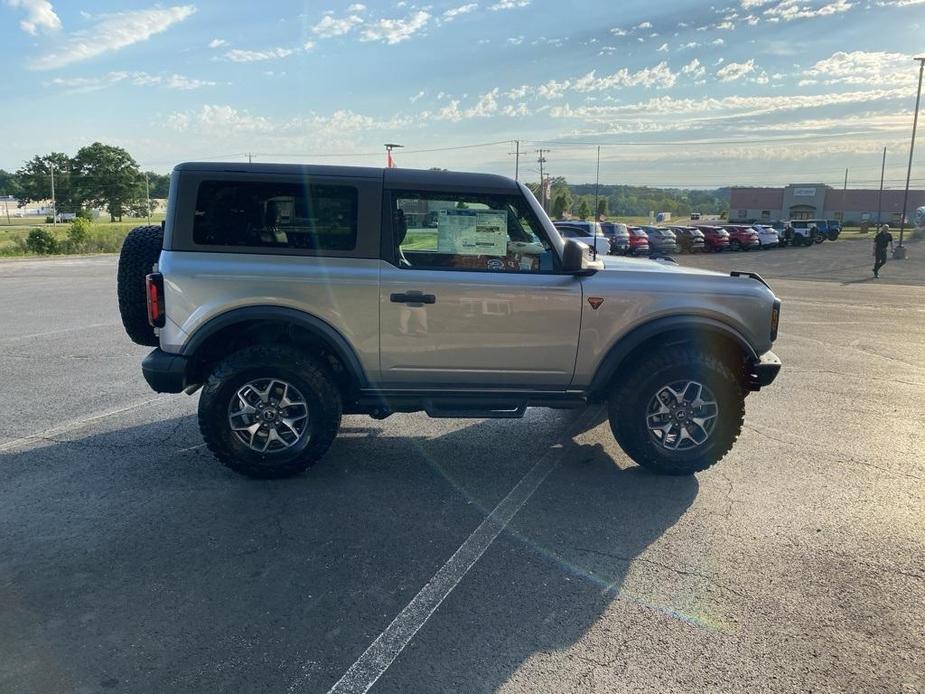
[70, 426]
[16, 338]
[376, 659]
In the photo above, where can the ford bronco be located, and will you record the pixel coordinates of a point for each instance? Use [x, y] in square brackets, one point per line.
[292, 295]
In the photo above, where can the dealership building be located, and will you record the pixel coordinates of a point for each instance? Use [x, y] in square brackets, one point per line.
[819, 201]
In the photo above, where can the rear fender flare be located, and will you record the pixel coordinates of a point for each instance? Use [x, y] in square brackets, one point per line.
[326, 334]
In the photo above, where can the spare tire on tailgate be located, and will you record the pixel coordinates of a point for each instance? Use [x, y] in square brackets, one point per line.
[140, 250]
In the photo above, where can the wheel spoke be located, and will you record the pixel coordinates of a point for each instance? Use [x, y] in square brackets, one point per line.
[268, 415]
[692, 391]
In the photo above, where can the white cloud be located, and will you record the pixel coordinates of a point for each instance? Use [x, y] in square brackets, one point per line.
[553, 89]
[329, 26]
[217, 43]
[735, 71]
[690, 44]
[643, 25]
[139, 79]
[112, 33]
[237, 55]
[356, 7]
[486, 105]
[227, 119]
[518, 92]
[718, 42]
[395, 30]
[40, 16]
[455, 12]
[663, 48]
[417, 97]
[508, 5]
[516, 40]
[789, 10]
[862, 67]
[617, 31]
[659, 76]
[694, 68]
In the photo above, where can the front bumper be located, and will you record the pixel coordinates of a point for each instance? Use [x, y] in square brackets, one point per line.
[762, 371]
[165, 372]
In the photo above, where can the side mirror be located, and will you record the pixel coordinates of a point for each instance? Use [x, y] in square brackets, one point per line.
[573, 256]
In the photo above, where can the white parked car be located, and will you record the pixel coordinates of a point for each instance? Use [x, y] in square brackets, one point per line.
[767, 236]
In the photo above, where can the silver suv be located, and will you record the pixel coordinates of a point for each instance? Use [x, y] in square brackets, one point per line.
[291, 295]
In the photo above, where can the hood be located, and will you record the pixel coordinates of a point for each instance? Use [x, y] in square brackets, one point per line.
[613, 262]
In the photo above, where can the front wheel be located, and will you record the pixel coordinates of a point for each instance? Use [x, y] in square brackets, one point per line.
[679, 412]
[269, 411]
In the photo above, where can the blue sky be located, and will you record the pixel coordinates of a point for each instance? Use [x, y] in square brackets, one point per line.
[677, 93]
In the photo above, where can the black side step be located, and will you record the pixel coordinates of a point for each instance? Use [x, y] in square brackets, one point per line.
[484, 410]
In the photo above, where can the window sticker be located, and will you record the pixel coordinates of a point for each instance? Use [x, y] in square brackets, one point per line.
[472, 232]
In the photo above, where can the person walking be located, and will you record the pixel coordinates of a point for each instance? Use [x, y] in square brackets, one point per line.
[883, 239]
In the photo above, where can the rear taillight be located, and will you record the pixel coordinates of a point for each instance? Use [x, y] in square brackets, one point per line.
[154, 288]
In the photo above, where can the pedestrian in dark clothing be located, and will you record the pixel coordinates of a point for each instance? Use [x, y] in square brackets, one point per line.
[883, 239]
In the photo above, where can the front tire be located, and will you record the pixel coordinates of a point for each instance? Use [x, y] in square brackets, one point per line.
[679, 412]
[269, 411]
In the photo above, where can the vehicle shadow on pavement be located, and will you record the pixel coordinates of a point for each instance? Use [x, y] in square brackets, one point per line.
[135, 561]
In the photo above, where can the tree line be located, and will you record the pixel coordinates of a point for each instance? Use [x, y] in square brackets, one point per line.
[578, 200]
[97, 176]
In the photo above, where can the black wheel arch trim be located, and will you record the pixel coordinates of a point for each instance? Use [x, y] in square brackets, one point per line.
[627, 344]
[324, 331]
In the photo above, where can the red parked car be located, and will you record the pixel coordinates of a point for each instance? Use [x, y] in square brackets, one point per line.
[639, 241]
[742, 238]
[715, 239]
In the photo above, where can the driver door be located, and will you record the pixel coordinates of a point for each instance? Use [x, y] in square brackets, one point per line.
[470, 296]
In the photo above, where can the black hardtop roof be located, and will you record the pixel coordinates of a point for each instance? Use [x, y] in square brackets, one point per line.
[392, 178]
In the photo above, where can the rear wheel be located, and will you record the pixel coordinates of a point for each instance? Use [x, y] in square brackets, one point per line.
[269, 411]
[679, 412]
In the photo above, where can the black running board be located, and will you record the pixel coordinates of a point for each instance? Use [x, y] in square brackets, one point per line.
[457, 409]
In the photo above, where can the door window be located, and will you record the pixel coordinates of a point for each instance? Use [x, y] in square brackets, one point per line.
[468, 232]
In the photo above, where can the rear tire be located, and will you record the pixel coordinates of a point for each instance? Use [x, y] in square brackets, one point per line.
[140, 250]
[291, 443]
[655, 440]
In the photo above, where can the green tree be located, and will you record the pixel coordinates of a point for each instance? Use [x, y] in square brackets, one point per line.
[41, 242]
[9, 184]
[601, 208]
[584, 209]
[559, 206]
[158, 184]
[34, 180]
[109, 177]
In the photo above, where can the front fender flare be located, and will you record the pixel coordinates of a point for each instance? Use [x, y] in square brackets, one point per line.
[684, 328]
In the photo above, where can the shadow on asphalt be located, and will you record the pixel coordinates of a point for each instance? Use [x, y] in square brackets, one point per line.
[132, 562]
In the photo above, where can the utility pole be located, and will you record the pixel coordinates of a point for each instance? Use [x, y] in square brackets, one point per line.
[880, 196]
[516, 160]
[542, 160]
[844, 194]
[597, 182]
[900, 252]
[148, 198]
[54, 205]
[250, 158]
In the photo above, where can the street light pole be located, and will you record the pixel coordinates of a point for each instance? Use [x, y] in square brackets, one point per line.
[880, 196]
[900, 252]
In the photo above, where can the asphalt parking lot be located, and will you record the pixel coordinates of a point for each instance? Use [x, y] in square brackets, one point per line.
[513, 556]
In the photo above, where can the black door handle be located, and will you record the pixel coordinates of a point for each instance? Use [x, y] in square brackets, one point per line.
[413, 298]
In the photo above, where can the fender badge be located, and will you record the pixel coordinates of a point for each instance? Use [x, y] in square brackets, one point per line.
[595, 301]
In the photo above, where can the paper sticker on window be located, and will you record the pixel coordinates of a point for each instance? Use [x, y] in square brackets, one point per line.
[472, 232]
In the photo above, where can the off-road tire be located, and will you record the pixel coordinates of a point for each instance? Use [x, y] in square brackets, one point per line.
[304, 371]
[140, 250]
[630, 398]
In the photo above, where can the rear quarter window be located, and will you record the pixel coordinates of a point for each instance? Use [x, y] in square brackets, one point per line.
[276, 215]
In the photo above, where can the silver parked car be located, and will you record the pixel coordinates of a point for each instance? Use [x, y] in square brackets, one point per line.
[291, 295]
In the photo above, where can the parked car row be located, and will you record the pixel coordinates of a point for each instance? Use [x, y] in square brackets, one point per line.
[617, 238]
